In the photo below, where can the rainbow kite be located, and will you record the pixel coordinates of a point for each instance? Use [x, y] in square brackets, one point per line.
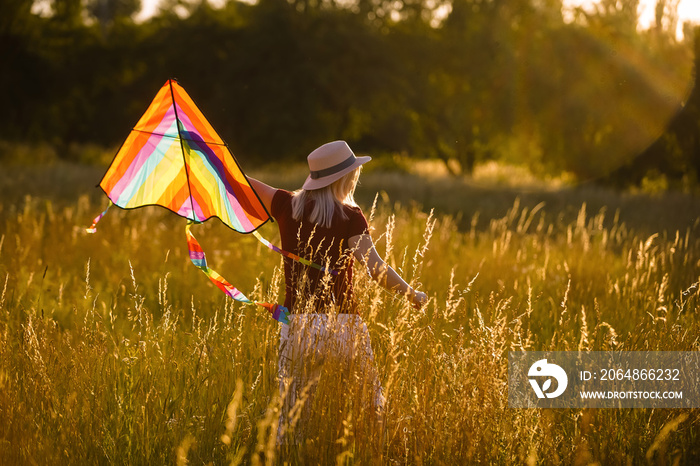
[174, 158]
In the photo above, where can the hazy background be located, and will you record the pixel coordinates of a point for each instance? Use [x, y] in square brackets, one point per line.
[595, 92]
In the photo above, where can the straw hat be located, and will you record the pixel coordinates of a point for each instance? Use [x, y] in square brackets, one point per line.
[330, 162]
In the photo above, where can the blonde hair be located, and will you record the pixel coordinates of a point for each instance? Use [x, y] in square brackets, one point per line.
[327, 200]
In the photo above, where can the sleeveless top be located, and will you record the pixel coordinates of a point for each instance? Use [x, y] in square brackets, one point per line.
[324, 246]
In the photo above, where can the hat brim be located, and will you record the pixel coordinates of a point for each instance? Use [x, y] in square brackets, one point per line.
[322, 182]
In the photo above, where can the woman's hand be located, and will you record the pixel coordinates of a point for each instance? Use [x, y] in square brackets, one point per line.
[418, 299]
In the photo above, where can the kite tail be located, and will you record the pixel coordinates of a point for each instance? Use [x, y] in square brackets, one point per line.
[292, 256]
[93, 227]
[199, 259]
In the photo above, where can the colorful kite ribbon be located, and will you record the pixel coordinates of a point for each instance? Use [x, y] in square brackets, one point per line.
[293, 256]
[199, 259]
[93, 227]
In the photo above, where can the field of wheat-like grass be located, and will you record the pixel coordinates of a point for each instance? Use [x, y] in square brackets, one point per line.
[114, 349]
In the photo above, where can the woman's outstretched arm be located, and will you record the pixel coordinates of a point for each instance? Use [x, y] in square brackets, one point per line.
[382, 273]
[265, 192]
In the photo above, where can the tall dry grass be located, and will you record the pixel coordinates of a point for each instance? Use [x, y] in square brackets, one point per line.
[114, 349]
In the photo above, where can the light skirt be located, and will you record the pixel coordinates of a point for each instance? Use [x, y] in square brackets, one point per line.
[310, 342]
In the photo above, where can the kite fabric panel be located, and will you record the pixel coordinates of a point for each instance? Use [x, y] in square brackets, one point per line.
[175, 159]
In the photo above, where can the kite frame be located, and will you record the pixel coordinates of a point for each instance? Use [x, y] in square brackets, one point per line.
[187, 172]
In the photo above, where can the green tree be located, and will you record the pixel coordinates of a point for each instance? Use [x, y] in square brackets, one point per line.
[107, 12]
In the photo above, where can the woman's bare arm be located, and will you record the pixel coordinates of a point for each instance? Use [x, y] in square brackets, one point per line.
[265, 192]
[382, 273]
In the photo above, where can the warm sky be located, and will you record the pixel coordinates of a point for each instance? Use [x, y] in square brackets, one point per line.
[688, 10]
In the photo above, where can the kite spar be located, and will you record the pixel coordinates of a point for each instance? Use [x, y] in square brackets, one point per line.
[173, 158]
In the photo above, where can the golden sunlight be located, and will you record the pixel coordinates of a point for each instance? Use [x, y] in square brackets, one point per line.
[688, 11]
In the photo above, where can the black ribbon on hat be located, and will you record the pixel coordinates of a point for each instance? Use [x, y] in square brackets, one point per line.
[316, 174]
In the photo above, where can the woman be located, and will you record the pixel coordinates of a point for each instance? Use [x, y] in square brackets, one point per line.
[322, 223]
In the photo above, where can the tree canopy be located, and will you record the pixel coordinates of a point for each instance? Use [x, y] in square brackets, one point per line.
[459, 80]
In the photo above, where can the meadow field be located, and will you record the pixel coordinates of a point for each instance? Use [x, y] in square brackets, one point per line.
[114, 349]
